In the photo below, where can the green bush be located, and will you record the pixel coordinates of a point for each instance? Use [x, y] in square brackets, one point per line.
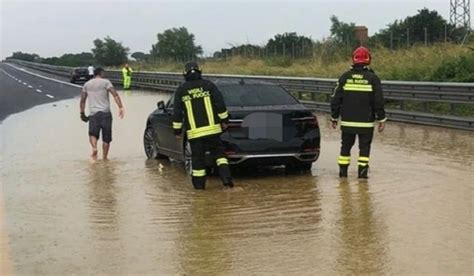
[457, 69]
[279, 62]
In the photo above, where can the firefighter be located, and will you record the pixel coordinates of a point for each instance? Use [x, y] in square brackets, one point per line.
[127, 76]
[200, 105]
[358, 100]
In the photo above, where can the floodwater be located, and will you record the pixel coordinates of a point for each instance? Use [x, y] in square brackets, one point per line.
[64, 214]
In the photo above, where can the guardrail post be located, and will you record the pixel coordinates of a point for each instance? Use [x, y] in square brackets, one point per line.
[300, 95]
[452, 109]
[425, 107]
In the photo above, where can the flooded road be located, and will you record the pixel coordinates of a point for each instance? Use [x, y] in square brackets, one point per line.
[131, 216]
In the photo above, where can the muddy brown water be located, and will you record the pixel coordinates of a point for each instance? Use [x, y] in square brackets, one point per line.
[65, 215]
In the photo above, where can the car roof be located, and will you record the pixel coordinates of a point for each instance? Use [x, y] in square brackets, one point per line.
[236, 81]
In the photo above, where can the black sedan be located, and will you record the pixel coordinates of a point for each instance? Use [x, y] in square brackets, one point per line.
[79, 74]
[267, 127]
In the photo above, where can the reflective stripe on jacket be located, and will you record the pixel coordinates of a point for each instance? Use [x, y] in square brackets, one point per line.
[358, 100]
[200, 105]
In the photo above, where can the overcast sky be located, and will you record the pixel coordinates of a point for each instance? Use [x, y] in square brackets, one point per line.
[51, 28]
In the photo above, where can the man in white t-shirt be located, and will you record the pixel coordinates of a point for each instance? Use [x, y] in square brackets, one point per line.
[90, 69]
[97, 92]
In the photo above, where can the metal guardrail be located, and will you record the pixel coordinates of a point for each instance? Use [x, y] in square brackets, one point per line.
[309, 91]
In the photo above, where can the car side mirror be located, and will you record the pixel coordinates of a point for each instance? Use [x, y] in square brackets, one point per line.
[161, 105]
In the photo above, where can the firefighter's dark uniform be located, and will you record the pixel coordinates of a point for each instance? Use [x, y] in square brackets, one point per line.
[358, 100]
[201, 106]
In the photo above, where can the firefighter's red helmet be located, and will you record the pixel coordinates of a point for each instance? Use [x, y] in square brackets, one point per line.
[361, 55]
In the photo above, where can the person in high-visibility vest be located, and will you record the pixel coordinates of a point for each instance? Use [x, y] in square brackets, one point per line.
[358, 100]
[127, 76]
[199, 108]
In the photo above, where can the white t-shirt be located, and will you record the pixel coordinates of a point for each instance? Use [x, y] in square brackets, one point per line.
[97, 90]
[91, 70]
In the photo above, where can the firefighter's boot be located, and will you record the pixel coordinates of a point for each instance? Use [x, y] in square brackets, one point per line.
[343, 170]
[363, 172]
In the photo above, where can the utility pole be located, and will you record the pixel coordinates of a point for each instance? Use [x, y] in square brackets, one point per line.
[408, 38]
[445, 33]
[460, 16]
[460, 13]
[391, 40]
[426, 36]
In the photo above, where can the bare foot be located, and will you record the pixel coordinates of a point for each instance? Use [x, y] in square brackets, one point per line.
[94, 154]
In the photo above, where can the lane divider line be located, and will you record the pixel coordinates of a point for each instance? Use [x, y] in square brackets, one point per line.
[39, 91]
[41, 76]
[50, 96]
[29, 86]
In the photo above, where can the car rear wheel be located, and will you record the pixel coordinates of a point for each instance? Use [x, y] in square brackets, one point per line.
[149, 143]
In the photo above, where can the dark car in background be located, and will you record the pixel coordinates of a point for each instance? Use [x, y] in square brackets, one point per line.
[79, 74]
[267, 127]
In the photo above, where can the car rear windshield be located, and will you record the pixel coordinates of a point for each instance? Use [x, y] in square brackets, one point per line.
[81, 71]
[255, 95]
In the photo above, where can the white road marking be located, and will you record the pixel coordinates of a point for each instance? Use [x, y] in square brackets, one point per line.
[29, 86]
[50, 96]
[39, 91]
[25, 83]
[43, 77]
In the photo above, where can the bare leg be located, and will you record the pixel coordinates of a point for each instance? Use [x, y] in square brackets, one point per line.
[105, 150]
[93, 142]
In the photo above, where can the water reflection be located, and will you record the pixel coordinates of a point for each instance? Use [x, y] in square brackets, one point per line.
[231, 231]
[362, 235]
[132, 216]
[447, 143]
[102, 199]
[203, 248]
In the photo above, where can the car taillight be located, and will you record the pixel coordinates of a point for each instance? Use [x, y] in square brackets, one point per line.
[310, 121]
[234, 124]
[229, 149]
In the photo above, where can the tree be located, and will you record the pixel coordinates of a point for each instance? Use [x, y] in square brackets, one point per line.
[73, 60]
[176, 43]
[25, 56]
[411, 30]
[247, 50]
[139, 56]
[290, 44]
[109, 52]
[343, 33]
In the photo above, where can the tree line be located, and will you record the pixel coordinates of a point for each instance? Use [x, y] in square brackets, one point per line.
[178, 44]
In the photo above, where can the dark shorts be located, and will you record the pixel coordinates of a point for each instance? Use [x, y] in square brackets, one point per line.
[101, 122]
